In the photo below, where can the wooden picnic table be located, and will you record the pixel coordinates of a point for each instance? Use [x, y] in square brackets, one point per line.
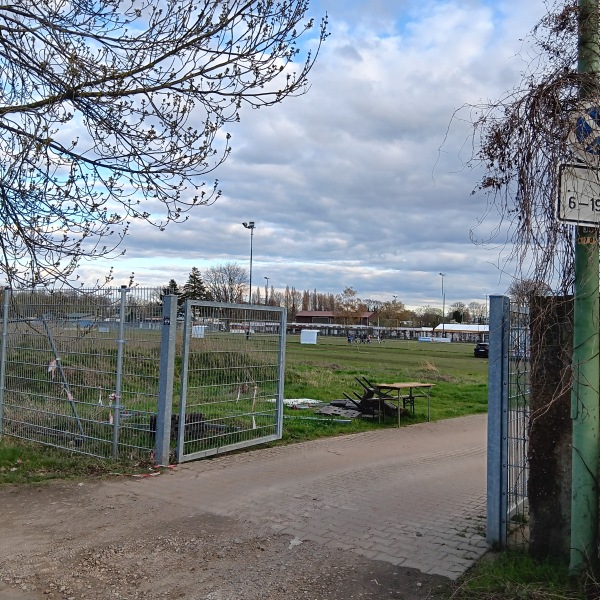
[406, 394]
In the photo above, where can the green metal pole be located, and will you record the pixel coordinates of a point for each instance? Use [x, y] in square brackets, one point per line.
[585, 406]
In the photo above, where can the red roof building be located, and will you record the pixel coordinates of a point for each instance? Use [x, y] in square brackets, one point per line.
[328, 317]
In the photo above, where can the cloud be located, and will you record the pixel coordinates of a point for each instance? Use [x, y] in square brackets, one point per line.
[362, 181]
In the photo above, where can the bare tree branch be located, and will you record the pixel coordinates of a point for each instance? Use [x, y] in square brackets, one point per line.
[521, 140]
[113, 110]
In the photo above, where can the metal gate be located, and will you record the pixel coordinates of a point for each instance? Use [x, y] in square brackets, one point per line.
[113, 373]
[232, 374]
[79, 369]
[508, 418]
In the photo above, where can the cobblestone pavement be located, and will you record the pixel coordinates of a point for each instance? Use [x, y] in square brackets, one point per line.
[413, 497]
[394, 513]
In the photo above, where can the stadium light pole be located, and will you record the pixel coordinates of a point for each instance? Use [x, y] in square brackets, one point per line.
[250, 225]
[443, 306]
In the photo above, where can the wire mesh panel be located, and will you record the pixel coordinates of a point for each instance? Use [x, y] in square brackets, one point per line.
[508, 421]
[518, 415]
[232, 378]
[81, 369]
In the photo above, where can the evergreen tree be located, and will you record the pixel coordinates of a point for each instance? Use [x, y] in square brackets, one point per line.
[194, 288]
[171, 288]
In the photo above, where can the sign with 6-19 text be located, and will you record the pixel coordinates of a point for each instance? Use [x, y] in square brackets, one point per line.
[579, 195]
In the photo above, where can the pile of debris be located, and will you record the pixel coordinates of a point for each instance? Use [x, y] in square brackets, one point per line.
[371, 403]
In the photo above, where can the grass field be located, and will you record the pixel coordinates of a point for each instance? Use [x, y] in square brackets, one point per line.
[326, 370]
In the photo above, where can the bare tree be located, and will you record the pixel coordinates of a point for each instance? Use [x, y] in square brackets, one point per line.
[426, 316]
[305, 300]
[521, 290]
[113, 110]
[520, 141]
[349, 307]
[227, 282]
[478, 311]
[460, 312]
[391, 313]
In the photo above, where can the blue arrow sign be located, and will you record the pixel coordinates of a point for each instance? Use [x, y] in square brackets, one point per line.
[586, 133]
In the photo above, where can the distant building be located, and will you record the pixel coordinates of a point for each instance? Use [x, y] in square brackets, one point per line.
[328, 317]
[463, 332]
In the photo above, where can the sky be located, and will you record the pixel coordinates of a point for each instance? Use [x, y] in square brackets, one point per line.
[363, 182]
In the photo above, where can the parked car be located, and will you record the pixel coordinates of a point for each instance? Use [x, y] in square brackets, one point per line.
[482, 350]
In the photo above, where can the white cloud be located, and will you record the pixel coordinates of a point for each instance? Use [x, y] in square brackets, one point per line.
[362, 181]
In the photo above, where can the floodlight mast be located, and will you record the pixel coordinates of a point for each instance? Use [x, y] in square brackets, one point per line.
[443, 306]
[250, 225]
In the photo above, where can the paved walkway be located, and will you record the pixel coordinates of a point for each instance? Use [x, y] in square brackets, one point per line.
[413, 496]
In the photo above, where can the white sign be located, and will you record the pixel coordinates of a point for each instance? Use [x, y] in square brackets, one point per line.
[308, 336]
[198, 331]
[579, 195]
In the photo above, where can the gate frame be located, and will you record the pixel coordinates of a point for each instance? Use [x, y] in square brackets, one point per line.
[166, 379]
[187, 330]
[508, 418]
[497, 453]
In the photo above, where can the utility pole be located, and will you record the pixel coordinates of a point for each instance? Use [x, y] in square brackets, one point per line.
[443, 307]
[585, 410]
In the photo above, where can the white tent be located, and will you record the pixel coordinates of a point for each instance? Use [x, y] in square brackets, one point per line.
[462, 332]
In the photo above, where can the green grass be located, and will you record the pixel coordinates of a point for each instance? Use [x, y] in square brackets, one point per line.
[514, 574]
[326, 370]
[24, 462]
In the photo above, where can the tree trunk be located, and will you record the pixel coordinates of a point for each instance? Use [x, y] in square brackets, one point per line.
[549, 488]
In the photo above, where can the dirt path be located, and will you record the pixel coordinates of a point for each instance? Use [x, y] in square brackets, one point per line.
[354, 517]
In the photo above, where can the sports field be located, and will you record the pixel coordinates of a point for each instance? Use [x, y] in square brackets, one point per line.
[325, 370]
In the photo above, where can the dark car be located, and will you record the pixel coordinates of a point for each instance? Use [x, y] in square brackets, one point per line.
[482, 350]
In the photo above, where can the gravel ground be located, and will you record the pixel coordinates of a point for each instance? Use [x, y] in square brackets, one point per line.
[61, 542]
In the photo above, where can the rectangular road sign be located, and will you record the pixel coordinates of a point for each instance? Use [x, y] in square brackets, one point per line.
[579, 195]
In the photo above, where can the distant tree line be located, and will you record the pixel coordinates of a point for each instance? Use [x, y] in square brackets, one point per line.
[229, 282]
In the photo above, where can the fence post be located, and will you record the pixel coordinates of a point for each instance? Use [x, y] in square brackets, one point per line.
[497, 468]
[165, 383]
[281, 373]
[7, 293]
[119, 378]
[185, 353]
